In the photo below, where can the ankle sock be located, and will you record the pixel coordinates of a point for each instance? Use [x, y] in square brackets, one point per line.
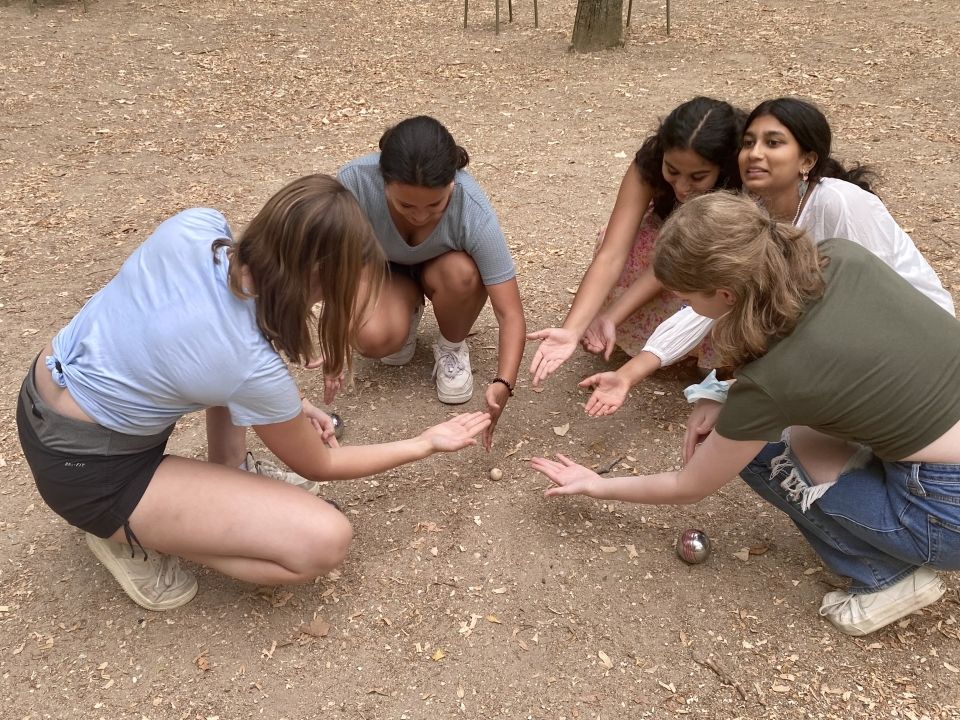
[449, 345]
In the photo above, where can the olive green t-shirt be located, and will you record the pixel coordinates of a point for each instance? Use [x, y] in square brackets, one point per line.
[873, 361]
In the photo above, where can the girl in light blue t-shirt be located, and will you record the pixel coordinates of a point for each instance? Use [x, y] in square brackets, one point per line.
[194, 321]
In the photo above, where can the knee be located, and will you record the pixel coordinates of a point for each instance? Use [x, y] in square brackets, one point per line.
[324, 547]
[378, 339]
[455, 274]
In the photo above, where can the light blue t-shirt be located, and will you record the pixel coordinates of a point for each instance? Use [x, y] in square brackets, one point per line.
[167, 337]
[468, 224]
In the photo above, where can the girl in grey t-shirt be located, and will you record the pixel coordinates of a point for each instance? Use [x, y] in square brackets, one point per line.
[443, 242]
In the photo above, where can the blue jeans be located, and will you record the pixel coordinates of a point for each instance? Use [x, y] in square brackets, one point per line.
[877, 523]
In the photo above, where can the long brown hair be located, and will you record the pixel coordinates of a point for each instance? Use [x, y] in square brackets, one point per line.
[723, 240]
[311, 233]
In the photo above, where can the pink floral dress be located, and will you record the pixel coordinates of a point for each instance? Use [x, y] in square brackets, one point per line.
[633, 333]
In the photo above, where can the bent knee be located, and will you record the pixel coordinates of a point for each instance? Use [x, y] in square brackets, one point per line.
[380, 341]
[323, 547]
[453, 272]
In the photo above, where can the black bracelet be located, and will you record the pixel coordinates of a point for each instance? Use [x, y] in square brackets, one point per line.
[501, 380]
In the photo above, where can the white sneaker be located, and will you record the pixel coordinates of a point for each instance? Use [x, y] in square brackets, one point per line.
[156, 582]
[862, 614]
[405, 354]
[452, 372]
[268, 469]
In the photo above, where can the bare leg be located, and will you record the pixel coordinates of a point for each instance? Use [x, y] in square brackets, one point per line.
[243, 525]
[822, 456]
[226, 442]
[453, 284]
[387, 326]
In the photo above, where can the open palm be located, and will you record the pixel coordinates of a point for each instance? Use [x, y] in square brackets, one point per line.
[609, 393]
[457, 432]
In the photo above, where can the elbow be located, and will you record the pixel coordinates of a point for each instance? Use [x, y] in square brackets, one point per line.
[690, 493]
[321, 473]
[692, 498]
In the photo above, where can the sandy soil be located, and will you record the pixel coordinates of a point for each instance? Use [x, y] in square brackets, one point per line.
[462, 597]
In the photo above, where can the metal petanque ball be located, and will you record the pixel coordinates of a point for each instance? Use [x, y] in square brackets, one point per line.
[693, 547]
[337, 425]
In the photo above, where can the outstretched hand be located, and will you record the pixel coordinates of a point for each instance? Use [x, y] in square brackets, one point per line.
[609, 394]
[457, 432]
[568, 477]
[600, 337]
[556, 345]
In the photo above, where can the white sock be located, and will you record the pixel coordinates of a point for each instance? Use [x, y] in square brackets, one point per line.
[443, 342]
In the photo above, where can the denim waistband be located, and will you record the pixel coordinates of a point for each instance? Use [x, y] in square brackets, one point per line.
[68, 435]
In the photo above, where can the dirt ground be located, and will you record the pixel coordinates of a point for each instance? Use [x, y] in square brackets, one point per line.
[461, 597]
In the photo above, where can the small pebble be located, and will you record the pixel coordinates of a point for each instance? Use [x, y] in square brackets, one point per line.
[496, 474]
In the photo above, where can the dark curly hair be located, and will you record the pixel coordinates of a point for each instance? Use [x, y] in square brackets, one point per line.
[711, 128]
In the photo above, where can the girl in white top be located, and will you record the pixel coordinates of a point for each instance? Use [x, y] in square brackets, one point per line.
[785, 164]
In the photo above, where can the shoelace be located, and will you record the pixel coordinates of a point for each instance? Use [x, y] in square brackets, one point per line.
[449, 363]
[169, 567]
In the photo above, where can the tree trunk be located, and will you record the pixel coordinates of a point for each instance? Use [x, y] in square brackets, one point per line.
[599, 25]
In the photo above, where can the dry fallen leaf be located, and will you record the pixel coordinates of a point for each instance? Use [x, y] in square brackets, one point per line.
[202, 662]
[493, 619]
[438, 655]
[280, 598]
[743, 554]
[562, 430]
[318, 628]
[605, 659]
[516, 448]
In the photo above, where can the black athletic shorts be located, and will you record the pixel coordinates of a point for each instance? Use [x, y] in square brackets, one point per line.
[91, 476]
[414, 272]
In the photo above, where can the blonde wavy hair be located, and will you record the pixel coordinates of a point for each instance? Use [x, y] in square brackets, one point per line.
[311, 235]
[724, 240]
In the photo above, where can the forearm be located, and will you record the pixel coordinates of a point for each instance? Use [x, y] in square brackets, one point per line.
[640, 292]
[347, 463]
[511, 342]
[660, 489]
[639, 368]
[592, 293]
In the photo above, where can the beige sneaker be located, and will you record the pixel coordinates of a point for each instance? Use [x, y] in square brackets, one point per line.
[270, 470]
[405, 354]
[862, 614]
[156, 582]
